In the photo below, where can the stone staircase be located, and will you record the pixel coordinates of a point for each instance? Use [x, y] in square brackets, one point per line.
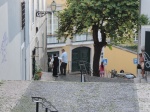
[68, 94]
[81, 97]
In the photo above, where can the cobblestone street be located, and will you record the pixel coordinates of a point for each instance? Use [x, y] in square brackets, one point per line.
[74, 96]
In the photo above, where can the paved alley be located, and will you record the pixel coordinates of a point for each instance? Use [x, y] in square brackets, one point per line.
[74, 96]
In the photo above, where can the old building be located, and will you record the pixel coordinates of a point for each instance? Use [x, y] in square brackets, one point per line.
[22, 39]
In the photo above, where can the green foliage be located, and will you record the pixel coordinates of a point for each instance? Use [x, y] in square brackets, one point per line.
[144, 20]
[37, 69]
[109, 46]
[1, 83]
[37, 77]
[118, 19]
[130, 47]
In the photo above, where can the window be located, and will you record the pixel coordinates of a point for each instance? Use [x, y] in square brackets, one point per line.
[49, 24]
[55, 23]
[32, 11]
[136, 37]
[23, 14]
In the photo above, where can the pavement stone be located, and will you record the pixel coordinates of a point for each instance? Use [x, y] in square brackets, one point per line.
[47, 76]
[68, 94]
[143, 93]
[77, 78]
[10, 93]
[82, 97]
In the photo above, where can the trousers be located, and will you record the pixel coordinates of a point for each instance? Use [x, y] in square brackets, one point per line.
[63, 67]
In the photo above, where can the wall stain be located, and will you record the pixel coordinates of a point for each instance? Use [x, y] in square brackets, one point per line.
[3, 50]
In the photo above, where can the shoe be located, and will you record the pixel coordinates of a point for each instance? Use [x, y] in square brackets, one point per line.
[55, 75]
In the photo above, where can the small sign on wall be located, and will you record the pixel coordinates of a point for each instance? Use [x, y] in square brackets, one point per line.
[105, 61]
[135, 61]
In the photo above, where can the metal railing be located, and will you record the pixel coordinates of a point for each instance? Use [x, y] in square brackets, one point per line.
[45, 104]
[54, 40]
[82, 37]
[85, 69]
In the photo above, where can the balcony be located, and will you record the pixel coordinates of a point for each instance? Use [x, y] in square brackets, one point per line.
[54, 40]
[82, 38]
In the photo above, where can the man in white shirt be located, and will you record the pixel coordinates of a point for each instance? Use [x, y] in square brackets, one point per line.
[64, 61]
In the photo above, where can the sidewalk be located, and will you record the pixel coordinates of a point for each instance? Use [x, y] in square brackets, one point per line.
[139, 79]
[10, 93]
[47, 76]
[71, 96]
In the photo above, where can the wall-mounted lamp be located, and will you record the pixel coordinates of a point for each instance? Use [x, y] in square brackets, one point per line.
[43, 13]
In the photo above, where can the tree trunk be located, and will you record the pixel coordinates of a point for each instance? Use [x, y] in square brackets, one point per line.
[97, 49]
[97, 52]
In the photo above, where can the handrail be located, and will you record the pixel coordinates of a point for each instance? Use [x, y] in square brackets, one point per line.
[85, 68]
[87, 65]
[45, 104]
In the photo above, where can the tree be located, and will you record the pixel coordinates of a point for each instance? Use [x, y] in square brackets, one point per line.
[115, 19]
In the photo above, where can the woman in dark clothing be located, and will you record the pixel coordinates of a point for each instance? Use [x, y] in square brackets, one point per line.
[55, 65]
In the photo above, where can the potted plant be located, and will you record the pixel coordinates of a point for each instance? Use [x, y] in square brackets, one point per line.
[39, 72]
[36, 77]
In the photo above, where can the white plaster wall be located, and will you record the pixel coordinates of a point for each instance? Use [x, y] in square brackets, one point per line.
[145, 7]
[143, 30]
[10, 59]
[37, 37]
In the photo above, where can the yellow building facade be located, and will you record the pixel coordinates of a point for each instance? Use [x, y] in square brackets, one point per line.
[120, 59]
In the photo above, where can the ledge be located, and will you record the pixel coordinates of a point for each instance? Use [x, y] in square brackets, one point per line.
[125, 49]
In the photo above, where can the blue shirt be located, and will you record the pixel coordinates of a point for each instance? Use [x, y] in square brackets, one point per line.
[64, 57]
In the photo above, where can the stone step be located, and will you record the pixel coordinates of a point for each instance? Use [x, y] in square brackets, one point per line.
[81, 97]
[77, 78]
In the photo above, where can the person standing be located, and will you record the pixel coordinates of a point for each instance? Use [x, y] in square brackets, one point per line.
[101, 68]
[64, 61]
[141, 62]
[55, 65]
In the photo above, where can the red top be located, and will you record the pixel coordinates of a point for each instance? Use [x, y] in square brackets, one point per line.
[101, 68]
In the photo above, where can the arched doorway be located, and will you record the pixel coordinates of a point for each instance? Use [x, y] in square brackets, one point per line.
[78, 54]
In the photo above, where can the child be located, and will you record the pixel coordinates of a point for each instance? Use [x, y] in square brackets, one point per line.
[101, 69]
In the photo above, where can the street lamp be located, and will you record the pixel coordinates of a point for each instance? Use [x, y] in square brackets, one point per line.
[43, 13]
[53, 6]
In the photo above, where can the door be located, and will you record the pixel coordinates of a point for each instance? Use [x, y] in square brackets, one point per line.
[80, 54]
[147, 51]
[50, 55]
[33, 62]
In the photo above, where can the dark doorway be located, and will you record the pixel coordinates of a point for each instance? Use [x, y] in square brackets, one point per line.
[147, 51]
[80, 54]
[33, 62]
[50, 55]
